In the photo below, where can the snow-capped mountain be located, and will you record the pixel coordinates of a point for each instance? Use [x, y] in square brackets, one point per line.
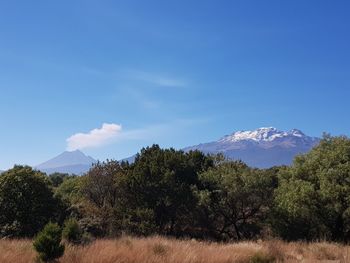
[74, 162]
[263, 148]
[262, 135]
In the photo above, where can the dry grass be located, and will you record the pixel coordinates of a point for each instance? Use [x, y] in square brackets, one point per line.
[163, 250]
[19, 251]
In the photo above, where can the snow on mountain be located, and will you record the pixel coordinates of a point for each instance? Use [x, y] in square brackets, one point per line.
[262, 134]
[74, 162]
[263, 148]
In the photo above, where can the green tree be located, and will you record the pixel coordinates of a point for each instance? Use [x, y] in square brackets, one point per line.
[159, 186]
[48, 243]
[233, 201]
[58, 178]
[69, 191]
[312, 200]
[101, 191]
[72, 231]
[26, 202]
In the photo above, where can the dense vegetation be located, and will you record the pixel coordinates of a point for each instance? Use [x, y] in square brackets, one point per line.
[173, 193]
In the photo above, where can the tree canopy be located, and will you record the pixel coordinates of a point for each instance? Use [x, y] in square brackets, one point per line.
[234, 200]
[188, 194]
[26, 202]
[313, 197]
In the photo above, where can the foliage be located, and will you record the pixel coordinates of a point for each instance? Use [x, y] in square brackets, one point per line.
[99, 185]
[136, 221]
[69, 190]
[26, 202]
[48, 243]
[312, 200]
[58, 178]
[101, 190]
[187, 194]
[160, 184]
[72, 231]
[234, 200]
[261, 258]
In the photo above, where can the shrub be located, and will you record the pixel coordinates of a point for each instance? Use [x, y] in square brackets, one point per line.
[48, 243]
[262, 258]
[159, 249]
[72, 231]
[86, 238]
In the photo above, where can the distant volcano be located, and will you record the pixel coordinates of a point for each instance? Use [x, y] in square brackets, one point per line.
[74, 162]
[261, 148]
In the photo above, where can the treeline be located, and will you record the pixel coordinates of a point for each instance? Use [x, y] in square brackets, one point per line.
[173, 193]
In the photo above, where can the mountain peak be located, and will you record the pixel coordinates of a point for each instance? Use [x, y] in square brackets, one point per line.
[75, 153]
[297, 132]
[264, 147]
[67, 159]
[263, 134]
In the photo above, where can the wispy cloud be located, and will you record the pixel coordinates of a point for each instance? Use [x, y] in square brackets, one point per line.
[94, 138]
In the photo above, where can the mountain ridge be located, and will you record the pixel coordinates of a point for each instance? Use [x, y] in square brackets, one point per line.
[74, 162]
[262, 148]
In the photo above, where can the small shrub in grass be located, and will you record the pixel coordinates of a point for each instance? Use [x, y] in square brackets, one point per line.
[262, 258]
[72, 231]
[86, 238]
[125, 240]
[48, 243]
[159, 249]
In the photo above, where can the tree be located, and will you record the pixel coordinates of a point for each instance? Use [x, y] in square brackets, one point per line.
[69, 191]
[159, 187]
[58, 178]
[312, 200]
[233, 201]
[72, 231]
[48, 243]
[101, 193]
[99, 186]
[26, 202]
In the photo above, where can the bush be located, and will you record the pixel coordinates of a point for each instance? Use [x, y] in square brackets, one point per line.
[262, 258]
[159, 249]
[48, 243]
[72, 231]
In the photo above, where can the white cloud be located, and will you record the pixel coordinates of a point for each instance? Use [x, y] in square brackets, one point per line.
[113, 133]
[94, 138]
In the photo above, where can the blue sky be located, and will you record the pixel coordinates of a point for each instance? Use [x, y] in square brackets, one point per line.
[175, 73]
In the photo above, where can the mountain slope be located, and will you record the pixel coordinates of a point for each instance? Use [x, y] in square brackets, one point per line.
[74, 162]
[262, 148]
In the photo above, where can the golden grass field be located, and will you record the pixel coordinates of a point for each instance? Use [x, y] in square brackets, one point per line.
[163, 250]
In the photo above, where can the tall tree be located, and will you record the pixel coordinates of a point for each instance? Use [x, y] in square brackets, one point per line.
[100, 188]
[160, 184]
[26, 202]
[312, 201]
[234, 200]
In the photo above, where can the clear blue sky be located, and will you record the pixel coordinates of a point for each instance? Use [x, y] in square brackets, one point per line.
[175, 73]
